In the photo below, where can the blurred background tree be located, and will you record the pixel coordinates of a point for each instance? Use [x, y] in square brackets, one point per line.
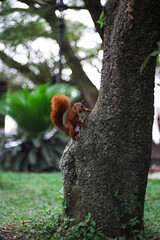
[29, 49]
[29, 54]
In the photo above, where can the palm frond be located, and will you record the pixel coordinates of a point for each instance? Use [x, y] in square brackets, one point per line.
[31, 109]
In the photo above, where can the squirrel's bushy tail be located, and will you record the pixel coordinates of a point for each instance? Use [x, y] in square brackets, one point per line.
[60, 104]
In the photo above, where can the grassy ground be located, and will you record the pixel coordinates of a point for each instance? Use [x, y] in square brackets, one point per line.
[152, 206]
[26, 196]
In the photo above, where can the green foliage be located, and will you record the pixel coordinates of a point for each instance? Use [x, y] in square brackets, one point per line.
[101, 19]
[77, 28]
[36, 146]
[121, 202]
[31, 109]
[20, 25]
[12, 34]
[24, 30]
[129, 227]
[56, 226]
[84, 230]
[153, 54]
[23, 152]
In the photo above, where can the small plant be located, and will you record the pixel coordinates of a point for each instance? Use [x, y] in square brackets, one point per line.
[84, 230]
[60, 197]
[54, 225]
[122, 204]
[153, 54]
[57, 226]
[67, 230]
[128, 227]
[101, 19]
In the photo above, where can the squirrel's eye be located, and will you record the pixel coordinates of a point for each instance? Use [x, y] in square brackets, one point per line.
[80, 111]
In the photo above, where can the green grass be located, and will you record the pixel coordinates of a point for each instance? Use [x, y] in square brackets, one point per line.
[152, 206]
[24, 195]
[32, 198]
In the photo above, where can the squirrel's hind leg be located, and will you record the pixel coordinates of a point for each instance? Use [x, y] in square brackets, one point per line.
[70, 130]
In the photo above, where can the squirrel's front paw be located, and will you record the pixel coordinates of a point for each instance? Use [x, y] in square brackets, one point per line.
[76, 138]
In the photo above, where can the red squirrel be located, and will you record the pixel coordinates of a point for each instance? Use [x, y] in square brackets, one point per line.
[74, 118]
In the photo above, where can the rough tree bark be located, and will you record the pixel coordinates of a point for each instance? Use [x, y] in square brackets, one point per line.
[113, 154]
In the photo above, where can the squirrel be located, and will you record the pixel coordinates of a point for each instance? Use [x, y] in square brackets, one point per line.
[74, 119]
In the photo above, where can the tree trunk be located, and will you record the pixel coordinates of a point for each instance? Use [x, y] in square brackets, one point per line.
[3, 89]
[105, 172]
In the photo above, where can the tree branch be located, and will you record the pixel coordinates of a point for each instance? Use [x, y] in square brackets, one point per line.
[12, 10]
[80, 78]
[24, 69]
[95, 10]
[89, 91]
[87, 88]
[27, 2]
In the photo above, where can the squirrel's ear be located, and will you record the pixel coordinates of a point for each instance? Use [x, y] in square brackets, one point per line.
[82, 101]
[73, 107]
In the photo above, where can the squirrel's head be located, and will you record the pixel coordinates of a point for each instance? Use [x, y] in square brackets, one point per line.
[80, 110]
